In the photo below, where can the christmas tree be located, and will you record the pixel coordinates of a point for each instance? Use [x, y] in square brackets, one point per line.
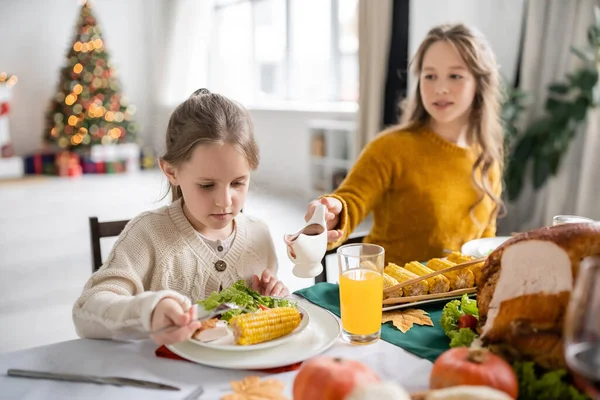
[89, 107]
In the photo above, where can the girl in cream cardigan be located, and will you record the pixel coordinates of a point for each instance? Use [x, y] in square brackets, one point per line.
[167, 258]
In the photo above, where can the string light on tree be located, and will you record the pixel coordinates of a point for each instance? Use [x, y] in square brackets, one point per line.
[6, 83]
[8, 80]
[89, 107]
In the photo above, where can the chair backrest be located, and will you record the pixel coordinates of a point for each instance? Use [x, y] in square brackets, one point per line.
[99, 230]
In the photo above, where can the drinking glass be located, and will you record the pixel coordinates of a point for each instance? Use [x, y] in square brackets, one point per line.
[361, 291]
[569, 219]
[582, 328]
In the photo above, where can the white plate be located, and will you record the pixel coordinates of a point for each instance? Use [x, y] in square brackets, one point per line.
[417, 303]
[322, 331]
[227, 343]
[483, 247]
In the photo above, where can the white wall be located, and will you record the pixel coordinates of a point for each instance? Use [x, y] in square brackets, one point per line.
[39, 32]
[499, 20]
[283, 135]
[283, 139]
[284, 142]
[36, 35]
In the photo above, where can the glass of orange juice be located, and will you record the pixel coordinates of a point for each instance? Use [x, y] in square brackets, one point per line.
[361, 291]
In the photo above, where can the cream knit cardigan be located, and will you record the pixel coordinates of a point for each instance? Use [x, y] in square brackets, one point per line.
[158, 255]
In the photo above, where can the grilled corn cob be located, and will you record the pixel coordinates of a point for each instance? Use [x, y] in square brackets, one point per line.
[476, 270]
[388, 281]
[461, 279]
[264, 325]
[437, 284]
[459, 257]
[368, 265]
[403, 275]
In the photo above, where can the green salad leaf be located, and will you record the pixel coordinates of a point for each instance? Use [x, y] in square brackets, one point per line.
[452, 311]
[450, 315]
[244, 296]
[462, 337]
[536, 383]
[469, 306]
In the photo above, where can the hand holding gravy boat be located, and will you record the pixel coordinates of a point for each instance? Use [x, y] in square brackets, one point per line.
[307, 247]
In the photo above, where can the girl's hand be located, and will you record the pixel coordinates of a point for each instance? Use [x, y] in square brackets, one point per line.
[169, 312]
[268, 285]
[332, 216]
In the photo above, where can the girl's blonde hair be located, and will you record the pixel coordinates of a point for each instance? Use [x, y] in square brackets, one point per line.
[485, 130]
[208, 118]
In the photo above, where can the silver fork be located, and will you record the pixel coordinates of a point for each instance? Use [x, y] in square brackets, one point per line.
[195, 394]
[220, 309]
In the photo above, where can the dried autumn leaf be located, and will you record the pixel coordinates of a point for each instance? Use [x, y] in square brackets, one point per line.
[405, 319]
[253, 388]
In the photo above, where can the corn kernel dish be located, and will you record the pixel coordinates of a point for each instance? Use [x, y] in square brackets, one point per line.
[259, 330]
[268, 321]
[437, 288]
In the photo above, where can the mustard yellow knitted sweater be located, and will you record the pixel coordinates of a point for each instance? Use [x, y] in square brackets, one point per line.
[420, 190]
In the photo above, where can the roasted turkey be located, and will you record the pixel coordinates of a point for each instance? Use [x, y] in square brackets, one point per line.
[524, 290]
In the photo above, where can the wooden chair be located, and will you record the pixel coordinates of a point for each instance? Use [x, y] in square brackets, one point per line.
[99, 230]
[354, 238]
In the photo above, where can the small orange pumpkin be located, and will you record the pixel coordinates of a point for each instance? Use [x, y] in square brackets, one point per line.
[474, 367]
[328, 378]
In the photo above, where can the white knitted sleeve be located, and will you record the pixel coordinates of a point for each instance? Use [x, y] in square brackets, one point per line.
[114, 303]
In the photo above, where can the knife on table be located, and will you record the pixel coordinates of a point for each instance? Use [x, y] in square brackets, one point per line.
[101, 380]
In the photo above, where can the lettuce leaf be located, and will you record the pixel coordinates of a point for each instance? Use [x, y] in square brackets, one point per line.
[233, 294]
[469, 306]
[462, 337]
[452, 311]
[226, 316]
[244, 296]
[450, 315]
[535, 383]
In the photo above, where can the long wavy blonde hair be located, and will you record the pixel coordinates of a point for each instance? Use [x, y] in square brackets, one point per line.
[485, 130]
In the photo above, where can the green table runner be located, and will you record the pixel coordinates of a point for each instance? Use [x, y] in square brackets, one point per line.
[424, 341]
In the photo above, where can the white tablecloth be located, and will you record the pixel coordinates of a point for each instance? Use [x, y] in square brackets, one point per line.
[137, 360]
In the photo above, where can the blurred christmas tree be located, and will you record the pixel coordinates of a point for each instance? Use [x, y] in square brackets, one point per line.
[89, 107]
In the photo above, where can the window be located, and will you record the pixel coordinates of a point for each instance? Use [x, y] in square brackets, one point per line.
[266, 51]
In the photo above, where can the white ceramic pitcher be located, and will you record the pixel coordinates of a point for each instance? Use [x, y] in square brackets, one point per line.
[308, 245]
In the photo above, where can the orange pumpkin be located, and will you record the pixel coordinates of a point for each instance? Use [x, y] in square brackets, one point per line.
[328, 378]
[474, 367]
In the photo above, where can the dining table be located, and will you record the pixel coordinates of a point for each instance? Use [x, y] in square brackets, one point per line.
[138, 359]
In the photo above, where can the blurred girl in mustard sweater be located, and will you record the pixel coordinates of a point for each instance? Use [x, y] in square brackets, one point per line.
[433, 182]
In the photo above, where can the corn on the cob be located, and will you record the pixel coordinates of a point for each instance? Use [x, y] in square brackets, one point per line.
[403, 275]
[461, 279]
[437, 284]
[476, 270]
[388, 281]
[264, 325]
[368, 265]
[458, 257]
